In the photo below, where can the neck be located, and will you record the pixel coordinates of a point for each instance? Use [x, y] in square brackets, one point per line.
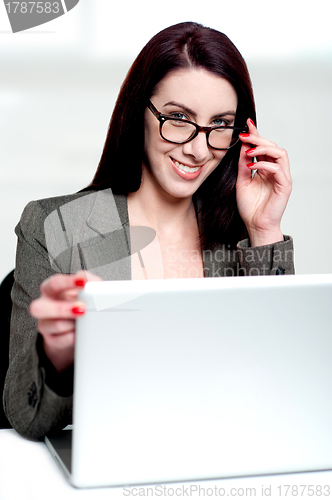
[160, 211]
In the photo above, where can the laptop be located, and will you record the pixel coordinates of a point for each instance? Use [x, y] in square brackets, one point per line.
[194, 379]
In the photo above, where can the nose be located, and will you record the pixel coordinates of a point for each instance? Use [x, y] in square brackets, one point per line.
[197, 148]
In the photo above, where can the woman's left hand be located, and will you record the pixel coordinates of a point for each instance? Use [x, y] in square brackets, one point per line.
[262, 199]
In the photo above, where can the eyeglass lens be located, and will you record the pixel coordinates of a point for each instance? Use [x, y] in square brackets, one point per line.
[179, 132]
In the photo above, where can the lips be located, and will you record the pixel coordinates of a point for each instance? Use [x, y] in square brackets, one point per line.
[186, 172]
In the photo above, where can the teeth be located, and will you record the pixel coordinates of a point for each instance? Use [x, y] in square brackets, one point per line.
[185, 168]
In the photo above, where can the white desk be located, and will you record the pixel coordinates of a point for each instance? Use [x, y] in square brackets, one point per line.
[28, 472]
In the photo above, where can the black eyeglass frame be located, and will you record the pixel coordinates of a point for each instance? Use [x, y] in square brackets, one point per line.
[163, 118]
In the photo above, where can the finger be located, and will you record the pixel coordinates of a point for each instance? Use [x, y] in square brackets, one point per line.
[55, 327]
[244, 174]
[267, 150]
[59, 342]
[45, 308]
[263, 165]
[274, 154]
[86, 276]
[70, 295]
[60, 284]
[253, 137]
[281, 181]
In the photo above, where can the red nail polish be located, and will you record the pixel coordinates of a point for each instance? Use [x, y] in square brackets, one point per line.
[78, 310]
[244, 135]
[252, 123]
[80, 283]
[249, 151]
[249, 165]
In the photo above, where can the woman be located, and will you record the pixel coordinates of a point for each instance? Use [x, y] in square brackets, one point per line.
[177, 194]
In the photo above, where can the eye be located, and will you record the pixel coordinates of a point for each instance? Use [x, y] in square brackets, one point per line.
[178, 115]
[220, 122]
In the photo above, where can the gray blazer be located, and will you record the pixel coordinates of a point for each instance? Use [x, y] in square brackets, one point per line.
[86, 231]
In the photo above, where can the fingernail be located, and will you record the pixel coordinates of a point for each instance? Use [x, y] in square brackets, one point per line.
[80, 283]
[249, 165]
[249, 151]
[252, 123]
[78, 310]
[244, 135]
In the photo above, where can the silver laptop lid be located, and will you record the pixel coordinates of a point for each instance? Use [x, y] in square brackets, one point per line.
[202, 378]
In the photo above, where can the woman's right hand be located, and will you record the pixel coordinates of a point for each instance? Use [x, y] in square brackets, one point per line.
[56, 311]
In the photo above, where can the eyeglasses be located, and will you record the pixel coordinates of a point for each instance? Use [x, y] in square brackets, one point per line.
[178, 131]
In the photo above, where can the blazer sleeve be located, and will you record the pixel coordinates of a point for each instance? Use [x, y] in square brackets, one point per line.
[274, 259]
[32, 407]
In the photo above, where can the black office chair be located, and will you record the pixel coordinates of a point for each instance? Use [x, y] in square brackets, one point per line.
[5, 313]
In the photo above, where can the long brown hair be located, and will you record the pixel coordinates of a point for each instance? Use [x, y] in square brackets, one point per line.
[180, 46]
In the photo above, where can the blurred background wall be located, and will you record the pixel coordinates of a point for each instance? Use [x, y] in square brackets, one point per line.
[59, 82]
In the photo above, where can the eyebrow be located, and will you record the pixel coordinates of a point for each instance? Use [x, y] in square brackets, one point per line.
[191, 112]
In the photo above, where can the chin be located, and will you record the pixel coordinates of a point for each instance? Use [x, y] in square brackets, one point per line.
[181, 192]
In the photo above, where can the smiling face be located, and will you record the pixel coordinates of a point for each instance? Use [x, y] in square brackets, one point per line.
[195, 94]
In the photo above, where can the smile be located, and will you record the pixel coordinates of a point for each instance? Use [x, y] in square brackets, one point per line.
[186, 172]
[185, 168]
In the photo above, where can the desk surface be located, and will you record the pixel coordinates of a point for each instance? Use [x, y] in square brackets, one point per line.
[28, 471]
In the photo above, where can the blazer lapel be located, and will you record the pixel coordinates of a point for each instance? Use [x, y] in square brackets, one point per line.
[107, 252]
